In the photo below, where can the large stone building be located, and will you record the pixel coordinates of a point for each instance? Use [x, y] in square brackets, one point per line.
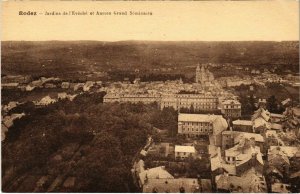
[197, 125]
[242, 125]
[196, 102]
[182, 152]
[190, 101]
[203, 75]
[231, 108]
[132, 98]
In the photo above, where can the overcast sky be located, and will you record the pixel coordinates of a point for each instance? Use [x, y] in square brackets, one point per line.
[172, 21]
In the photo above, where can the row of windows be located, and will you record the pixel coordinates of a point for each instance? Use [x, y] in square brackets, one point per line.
[196, 124]
[183, 153]
[232, 106]
[199, 100]
[233, 114]
[197, 130]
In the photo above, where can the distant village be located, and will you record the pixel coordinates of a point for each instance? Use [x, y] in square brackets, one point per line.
[215, 149]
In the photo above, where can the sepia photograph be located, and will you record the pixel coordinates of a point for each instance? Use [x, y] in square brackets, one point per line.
[150, 96]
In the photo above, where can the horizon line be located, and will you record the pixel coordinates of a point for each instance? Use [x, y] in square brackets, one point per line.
[82, 40]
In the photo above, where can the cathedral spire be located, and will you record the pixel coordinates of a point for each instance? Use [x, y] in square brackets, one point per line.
[198, 67]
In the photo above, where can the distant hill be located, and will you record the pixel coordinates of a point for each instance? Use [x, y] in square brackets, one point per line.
[68, 57]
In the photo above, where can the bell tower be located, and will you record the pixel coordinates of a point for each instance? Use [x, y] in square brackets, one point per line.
[198, 72]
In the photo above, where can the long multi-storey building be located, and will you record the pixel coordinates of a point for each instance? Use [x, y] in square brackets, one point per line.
[195, 125]
[197, 101]
[132, 98]
[144, 98]
[176, 101]
[190, 101]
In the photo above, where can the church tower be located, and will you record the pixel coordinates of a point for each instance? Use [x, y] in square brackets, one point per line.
[203, 75]
[198, 73]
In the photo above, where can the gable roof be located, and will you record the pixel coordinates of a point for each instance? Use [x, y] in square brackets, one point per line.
[155, 173]
[189, 185]
[188, 149]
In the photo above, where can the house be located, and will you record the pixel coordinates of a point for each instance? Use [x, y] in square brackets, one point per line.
[9, 85]
[45, 101]
[143, 152]
[202, 125]
[275, 118]
[249, 182]
[109, 98]
[231, 138]
[182, 152]
[280, 188]
[260, 120]
[139, 167]
[87, 86]
[279, 160]
[231, 108]
[8, 121]
[29, 87]
[277, 127]
[219, 165]
[65, 85]
[242, 125]
[16, 79]
[4, 130]
[71, 97]
[37, 83]
[62, 95]
[154, 173]
[290, 151]
[286, 102]
[179, 185]
[10, 105]
[137, 81]
[193, 125]
[244, 157]
[50, 85]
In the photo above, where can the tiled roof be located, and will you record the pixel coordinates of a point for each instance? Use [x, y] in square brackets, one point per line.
[197, 117]
[188, 149]
[155, 173]
[190, 185]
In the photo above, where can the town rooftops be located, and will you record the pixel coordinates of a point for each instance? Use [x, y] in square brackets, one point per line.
[249, 182]
[284, 102]
[288, 150]
[155, 173]
[260, 122]
[280, 188]
[261, 113]
[187, 149]
[274, 153]
[277, 115]
[244, 152]
[218, 163]
[242, 122]
[296, 111]
[186, 185]
[239, 135]
[229, 102]
[9, 84]
[276, 126]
